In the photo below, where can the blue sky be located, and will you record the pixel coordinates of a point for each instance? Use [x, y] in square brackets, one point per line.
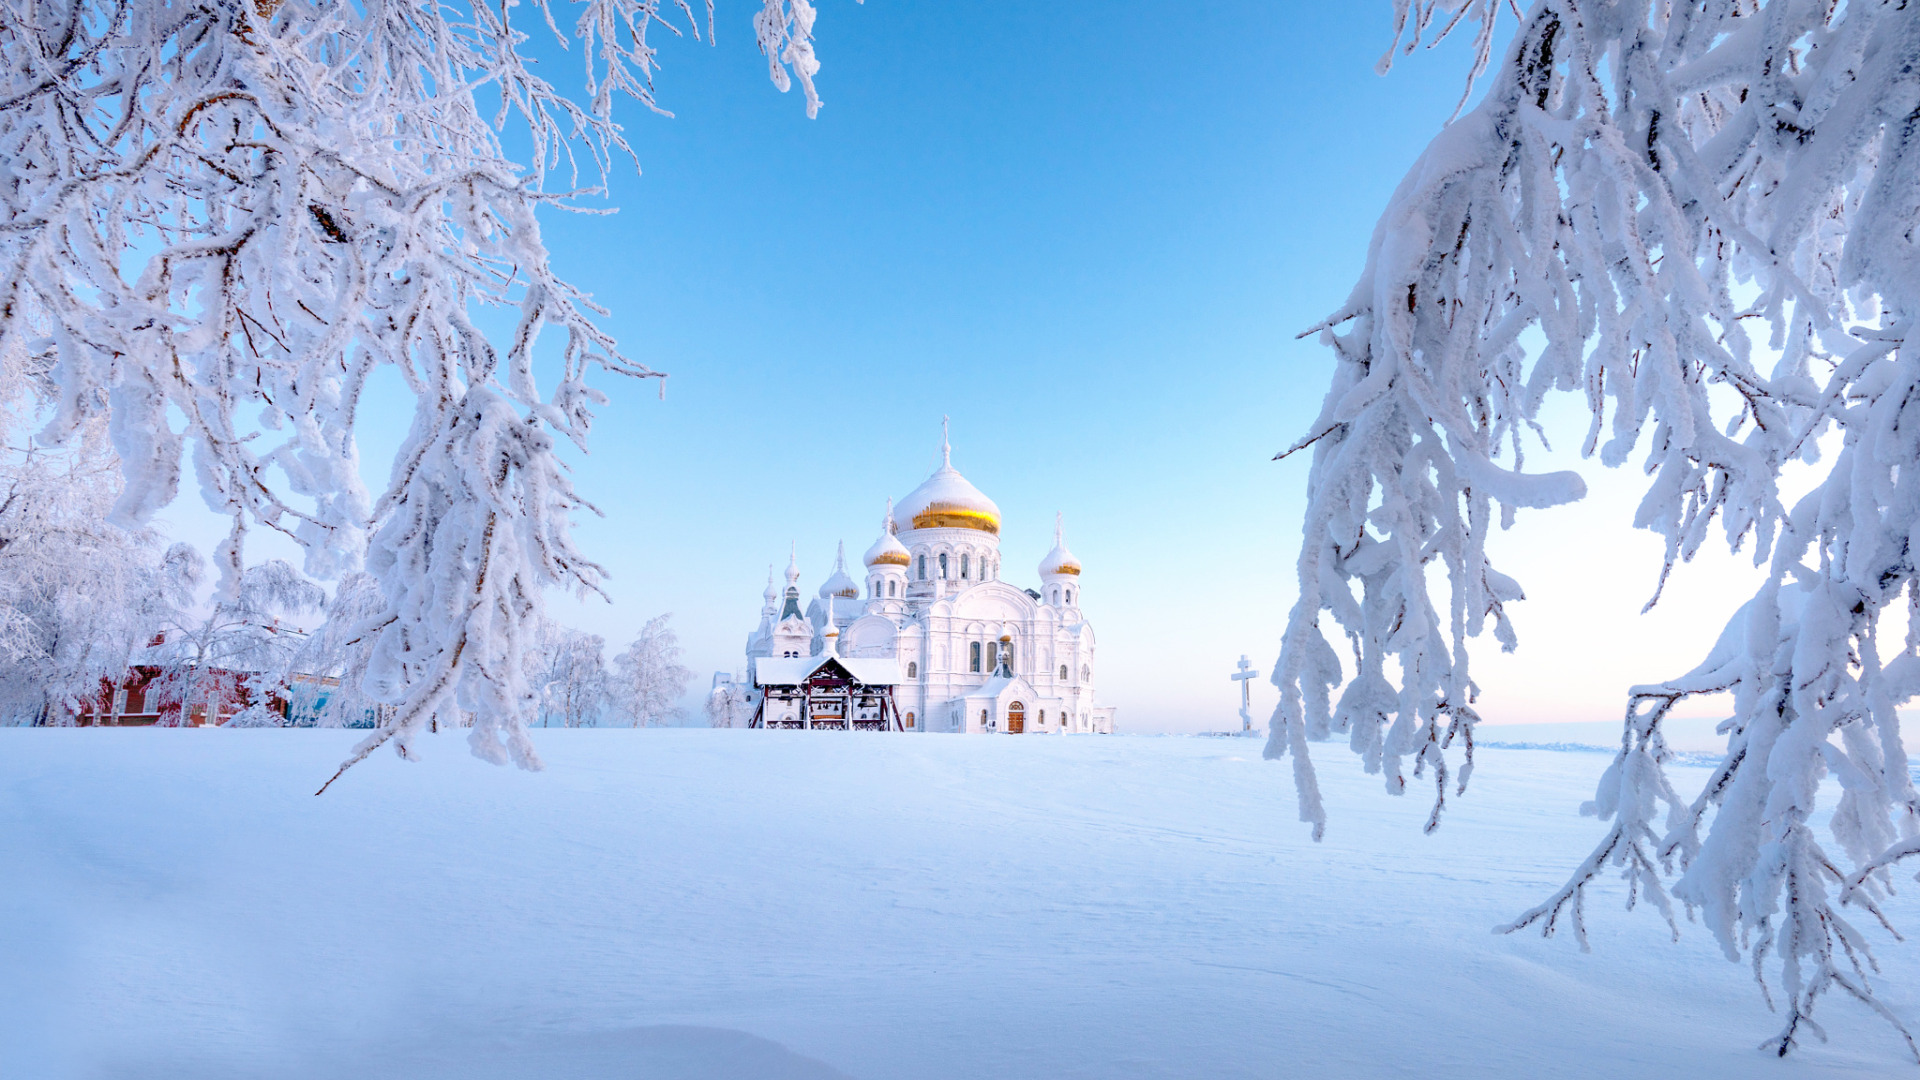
[1089, 233]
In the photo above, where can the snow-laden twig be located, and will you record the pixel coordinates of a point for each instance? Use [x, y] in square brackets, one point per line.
[222, 219]
[1642, 184]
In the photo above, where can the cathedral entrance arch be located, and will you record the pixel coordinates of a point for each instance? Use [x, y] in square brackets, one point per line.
[1016, 718]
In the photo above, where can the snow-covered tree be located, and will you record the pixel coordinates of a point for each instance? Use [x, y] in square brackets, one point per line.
[568, 669]
[729, 704]
[244, 635]
[1645, 185]
[221, 218]
[326, 675]
[78, 596]
[648, 678]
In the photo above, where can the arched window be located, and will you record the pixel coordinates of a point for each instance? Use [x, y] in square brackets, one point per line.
[993, 655]
[963, 567]
[973, 656]
[893, 588]
[1043, 718]
[913, 672]
[910, 720]
[1086, 672]
[1055, 593]
[943, 566]
[1069, 596]
[923, 568]
[1063, 671]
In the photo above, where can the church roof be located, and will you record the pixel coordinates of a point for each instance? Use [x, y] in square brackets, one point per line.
[778, 671]
[1001, 686]
[947, 501]
[1059, 560]
[840, 584]
[888, 549]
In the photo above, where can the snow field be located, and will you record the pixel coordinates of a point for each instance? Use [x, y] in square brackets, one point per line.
[706, 904]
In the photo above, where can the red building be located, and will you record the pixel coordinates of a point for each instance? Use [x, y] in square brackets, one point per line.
[143, 697]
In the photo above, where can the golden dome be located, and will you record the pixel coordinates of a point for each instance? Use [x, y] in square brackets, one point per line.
[888, 550]
[947, 501]
[1059, 560]
[957, 517]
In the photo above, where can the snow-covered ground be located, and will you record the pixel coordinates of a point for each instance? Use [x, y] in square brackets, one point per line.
[744, 904]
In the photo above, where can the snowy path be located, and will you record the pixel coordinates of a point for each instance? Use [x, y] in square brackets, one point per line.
[701, 904]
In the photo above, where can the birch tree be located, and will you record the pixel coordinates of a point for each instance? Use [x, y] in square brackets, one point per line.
[1705, 214]
[568, 669]
[648, 677]
[78, 597]
[221, 218]
[246, 640]
[729, 704]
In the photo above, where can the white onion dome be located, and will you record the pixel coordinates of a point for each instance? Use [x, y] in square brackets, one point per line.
[840, 584]
[888, 550]
[830, 632]
[947, 501]
[1059, 560]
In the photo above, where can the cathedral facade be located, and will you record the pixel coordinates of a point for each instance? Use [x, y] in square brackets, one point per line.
[939, 642]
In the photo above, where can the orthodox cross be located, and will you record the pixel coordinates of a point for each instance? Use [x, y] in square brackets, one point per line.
[1242, 676]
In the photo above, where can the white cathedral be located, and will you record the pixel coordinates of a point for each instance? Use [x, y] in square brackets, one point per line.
[941, 643]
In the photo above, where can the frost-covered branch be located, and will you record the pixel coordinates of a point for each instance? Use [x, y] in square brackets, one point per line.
[1642, 185]
[221, 219]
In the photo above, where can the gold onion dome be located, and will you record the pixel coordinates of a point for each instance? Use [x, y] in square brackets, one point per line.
[888, 550]
[947, 501]
[1059, 560]
[840, 584]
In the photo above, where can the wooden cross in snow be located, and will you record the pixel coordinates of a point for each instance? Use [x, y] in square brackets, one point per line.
[1242, 676]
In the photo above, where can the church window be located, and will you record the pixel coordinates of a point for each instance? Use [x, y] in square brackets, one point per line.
[1069, 596]
[973, 656]
[1055, 591]
[1063, 671]
[963, 567]
[993, 655]
[913, 672]
[893, 588]
[923, 568]
[1086, 671]
[910, 720]
[1043, 718]
[943, 566]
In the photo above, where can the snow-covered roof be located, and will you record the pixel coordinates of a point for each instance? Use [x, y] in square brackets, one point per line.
[999, 685]
[947, 501]
[888, 549]
[840, 584]
[781, 671]
[1059, 560]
